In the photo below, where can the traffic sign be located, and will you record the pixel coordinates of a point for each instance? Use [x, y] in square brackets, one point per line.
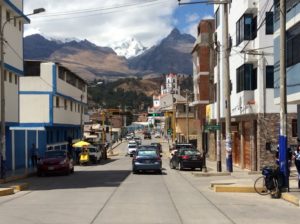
[212, 127]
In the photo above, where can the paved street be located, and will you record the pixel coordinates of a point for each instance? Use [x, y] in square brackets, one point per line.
[110, 193]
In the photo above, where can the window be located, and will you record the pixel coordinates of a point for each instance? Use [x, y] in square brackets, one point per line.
[294, 128]
[293, 44]
[269, 23]
[217, 18]
[57, 101]
[10, 77]
[16, 79]
[5, 75]
[71, 105]
[15, 21]
[269, 76]
[61, 73]
[246, 28]
[66, 104]
[246, 78]
[7, 15]
[20, 25]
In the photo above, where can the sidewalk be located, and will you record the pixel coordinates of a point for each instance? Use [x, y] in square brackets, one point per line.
[242, 181]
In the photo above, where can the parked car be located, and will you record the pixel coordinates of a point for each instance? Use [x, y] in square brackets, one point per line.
[186, 158]
[147, 135]
[146, 159]
[132, 146]
[57, 162]
[138, 140]
[157, 145]
[182, 145]
[94, 153]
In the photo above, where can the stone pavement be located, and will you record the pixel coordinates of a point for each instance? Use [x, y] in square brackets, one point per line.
[243, 181]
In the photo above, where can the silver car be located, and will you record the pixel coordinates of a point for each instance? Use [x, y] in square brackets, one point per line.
[147, 159]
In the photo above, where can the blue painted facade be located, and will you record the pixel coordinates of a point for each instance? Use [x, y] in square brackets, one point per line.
[292, 72]
[21, 136]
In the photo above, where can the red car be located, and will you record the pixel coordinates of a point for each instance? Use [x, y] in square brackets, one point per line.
[56, 162]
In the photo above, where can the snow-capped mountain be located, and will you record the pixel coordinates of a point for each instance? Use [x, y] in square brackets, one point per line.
[61, 40]
[128, 48]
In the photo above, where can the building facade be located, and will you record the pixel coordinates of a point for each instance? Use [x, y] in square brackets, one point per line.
[12, 21]
[254, 114]
[203, 59]
[52, 105]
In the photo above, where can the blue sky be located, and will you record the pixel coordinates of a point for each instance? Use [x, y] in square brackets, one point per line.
[104, 22]
[189, 15]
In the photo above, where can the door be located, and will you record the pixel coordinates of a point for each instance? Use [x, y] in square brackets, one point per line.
[246, 144]
[236, 155]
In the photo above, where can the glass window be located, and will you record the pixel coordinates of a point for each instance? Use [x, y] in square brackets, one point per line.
[293, 44]
[71, 105]
[5, 75]
[16, 79]
[57, 101]
[10, 77]
[217, 18]
[246, 28]
[7, 15]
[246, 78]
[269, 76]
[269, 23]
[66, 104]
[20, 25]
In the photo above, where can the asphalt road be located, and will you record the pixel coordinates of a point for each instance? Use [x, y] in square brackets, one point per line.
[110, 193]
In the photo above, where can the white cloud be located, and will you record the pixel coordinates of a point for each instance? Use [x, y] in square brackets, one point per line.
[192, 18]
[103, 21]
[192, 29]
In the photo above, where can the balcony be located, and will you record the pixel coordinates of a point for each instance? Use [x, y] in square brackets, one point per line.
[184, 114]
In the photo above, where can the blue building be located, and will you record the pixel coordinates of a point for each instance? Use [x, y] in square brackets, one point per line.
[52, 102]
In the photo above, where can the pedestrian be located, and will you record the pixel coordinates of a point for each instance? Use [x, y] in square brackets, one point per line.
[34, 155]
[297, 162]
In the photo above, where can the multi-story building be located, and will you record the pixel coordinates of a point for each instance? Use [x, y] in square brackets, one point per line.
[52, 102]
[254, 115]
[203, 59]
[293, 56]
[11, 12]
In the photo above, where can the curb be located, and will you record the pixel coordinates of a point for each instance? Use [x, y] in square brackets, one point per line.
[234, 189]
[19, 187]
[210, 174]
[290, 198]
[17, 177]
[6, 191]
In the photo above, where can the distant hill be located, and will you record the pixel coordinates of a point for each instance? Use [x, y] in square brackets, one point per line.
[93, 62]
[173, 54]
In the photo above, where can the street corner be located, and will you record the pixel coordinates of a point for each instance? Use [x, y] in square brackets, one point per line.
[19, 187]
[6, 191]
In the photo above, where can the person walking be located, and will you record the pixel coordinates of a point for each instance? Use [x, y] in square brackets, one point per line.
[34, 155]
[297, 163]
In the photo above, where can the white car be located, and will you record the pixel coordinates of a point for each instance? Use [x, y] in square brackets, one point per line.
[94, 153]
[132, 146]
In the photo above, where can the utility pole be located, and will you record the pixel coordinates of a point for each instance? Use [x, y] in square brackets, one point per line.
[187, 118]
[283, 154]
[219, 155]
[226, 51]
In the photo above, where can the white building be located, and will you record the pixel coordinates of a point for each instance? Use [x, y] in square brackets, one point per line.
[52, 102]
[13, 64]
[255, 117]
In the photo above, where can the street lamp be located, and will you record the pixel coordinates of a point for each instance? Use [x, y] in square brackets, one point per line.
[2, 86]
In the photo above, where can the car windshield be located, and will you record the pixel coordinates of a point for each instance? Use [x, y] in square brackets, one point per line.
[190, 152]
[55, 154]
[151, 147]
[184, 146]
[147, 153]
[92, 149]
[131, 146]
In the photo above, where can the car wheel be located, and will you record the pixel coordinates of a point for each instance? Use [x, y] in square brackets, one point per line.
[180, 166]
[171, 165]
[159, 171]
[72, 170]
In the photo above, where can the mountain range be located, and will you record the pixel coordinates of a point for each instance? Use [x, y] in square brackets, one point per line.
[91, 62]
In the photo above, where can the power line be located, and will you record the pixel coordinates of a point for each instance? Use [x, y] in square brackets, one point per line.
[95, 12]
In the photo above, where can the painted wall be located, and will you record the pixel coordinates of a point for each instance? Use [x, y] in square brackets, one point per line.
[11, 100]
[37, 112]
